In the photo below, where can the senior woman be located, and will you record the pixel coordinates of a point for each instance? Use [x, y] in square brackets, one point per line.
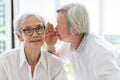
[91, 56]
[30, 62]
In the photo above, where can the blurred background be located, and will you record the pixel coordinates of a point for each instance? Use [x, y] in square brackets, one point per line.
[104, 19]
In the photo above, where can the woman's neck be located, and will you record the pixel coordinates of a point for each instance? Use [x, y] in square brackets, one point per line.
[77, 41]
[32, 56]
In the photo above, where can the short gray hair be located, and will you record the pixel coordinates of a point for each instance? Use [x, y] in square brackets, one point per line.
[21, 18]
[77, 17]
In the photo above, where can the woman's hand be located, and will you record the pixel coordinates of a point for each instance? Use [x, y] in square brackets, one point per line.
[50, 37]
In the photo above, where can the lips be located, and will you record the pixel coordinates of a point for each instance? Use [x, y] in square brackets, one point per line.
[35, 40]
[58, 34]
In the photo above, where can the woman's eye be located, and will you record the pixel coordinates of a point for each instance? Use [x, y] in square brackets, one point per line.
[28, 30]
[38, 27]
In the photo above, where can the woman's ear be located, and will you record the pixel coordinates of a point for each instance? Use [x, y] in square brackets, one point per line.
[19, 36]
[74, 33]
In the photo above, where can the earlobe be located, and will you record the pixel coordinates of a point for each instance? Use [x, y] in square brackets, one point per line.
[75, 33]
[19, 36]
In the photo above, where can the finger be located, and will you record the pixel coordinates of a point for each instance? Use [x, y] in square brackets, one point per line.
[47, 27]
[50, 26]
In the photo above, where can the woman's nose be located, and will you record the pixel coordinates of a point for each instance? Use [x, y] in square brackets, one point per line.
[35, 33]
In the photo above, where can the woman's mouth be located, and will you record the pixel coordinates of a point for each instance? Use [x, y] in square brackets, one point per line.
[35, 41]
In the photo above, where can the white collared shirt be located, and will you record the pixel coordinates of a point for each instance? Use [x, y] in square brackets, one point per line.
[94, 59]
[14, 66]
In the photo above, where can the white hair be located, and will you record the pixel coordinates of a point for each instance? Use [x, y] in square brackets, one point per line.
[21, 18]
[77, 17]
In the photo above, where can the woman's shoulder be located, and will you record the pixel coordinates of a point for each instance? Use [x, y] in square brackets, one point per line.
[9, 54]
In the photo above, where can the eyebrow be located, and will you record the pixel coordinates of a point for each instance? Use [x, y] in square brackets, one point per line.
[39, 25]
[27, 26]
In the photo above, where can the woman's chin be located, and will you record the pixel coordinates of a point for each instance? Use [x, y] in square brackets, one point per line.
[35, 45]
[60, 38]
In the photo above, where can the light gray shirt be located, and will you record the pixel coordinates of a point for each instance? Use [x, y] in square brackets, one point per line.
[14, 66]
[94, 59]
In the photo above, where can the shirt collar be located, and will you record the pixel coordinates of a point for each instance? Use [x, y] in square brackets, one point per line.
[82, 44]
[43, 59]
[22, 56]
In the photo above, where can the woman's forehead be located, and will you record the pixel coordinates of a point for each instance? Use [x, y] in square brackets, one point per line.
[31, 21]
